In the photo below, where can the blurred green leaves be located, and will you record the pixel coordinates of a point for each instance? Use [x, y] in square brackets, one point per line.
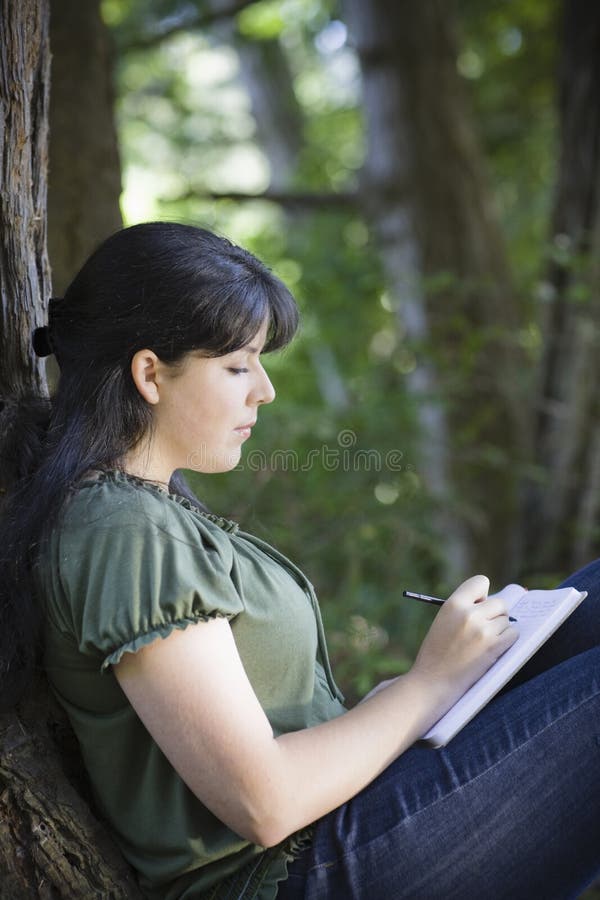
[187, 132]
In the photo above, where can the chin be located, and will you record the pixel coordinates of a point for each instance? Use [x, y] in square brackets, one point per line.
[225, 467]
[212, 464]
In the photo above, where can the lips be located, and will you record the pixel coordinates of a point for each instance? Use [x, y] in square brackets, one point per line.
[245, 430]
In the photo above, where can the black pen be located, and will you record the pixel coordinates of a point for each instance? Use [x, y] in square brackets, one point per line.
[425, 598]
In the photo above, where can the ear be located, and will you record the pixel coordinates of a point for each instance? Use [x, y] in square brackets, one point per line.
[144, 368]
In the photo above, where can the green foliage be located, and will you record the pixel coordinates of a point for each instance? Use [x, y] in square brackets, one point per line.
[262, 21]
[513, 48]
[332, 475]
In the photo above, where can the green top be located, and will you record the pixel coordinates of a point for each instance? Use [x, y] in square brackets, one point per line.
[128, 564]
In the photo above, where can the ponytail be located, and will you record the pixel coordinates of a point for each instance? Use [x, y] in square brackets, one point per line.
[23, 428]
[24, 424]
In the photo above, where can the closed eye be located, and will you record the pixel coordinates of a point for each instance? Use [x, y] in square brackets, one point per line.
[237, 371]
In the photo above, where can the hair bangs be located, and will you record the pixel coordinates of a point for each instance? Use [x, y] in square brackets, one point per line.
[283, 318]
[238, 312]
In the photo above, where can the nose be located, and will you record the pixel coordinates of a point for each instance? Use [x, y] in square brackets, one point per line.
[264, 391]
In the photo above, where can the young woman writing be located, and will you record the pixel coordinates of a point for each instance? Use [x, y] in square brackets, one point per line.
[190, 655]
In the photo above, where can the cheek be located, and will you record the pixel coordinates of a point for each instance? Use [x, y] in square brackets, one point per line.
[186, 421]
[203, 418]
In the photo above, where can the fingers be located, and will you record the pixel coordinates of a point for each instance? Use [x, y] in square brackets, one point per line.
[474, 592]
[504, 639]
[485, 620]
[470, 591]
[509, 636]
[470, 631]
[493, 608]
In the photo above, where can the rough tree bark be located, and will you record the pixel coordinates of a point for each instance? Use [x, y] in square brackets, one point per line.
[426, 192]
[50, 844]
[565, 507]
[24, 271]
[85, 178]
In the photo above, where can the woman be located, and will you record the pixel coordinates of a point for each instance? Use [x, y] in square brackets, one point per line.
[190, 656]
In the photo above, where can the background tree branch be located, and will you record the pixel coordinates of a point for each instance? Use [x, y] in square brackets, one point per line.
[188, 20]
[308, 200]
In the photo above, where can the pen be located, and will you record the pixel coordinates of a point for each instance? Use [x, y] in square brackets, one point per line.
[425, 598]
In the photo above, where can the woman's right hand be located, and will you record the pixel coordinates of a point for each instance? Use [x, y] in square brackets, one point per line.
[468, 634]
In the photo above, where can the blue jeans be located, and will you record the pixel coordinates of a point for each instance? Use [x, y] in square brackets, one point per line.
[509, 809]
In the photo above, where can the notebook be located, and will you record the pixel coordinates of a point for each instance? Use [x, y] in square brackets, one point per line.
[538, 615]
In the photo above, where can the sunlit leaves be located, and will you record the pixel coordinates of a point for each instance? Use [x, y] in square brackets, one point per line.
[262, 21]
[187, 128]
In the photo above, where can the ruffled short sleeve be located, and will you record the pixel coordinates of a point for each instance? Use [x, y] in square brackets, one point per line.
[136, 565]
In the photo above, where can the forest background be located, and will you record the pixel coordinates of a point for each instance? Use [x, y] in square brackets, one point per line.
[424, 178]
[424, 175]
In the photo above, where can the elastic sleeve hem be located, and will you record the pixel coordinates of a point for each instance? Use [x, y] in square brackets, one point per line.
[162, 630]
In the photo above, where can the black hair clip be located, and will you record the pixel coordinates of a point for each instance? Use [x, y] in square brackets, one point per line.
[41, 340]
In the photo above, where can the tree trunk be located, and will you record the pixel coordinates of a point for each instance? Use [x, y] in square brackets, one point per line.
[279, 121]
[50, 844]
[266, 77]
[24, 271]
[85, 179]
[426, 192]
[564, 508]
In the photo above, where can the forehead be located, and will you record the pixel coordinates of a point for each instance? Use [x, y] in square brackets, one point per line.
[259, 340]
[254, 345]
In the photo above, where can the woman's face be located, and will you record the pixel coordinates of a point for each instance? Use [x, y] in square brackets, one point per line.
[206, 411]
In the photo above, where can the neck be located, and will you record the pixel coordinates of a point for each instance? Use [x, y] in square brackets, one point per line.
[150, 468]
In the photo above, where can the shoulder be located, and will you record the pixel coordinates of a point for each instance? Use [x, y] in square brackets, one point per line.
[117, 527]
[131, 561]
[116, 504]
[112, 499]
